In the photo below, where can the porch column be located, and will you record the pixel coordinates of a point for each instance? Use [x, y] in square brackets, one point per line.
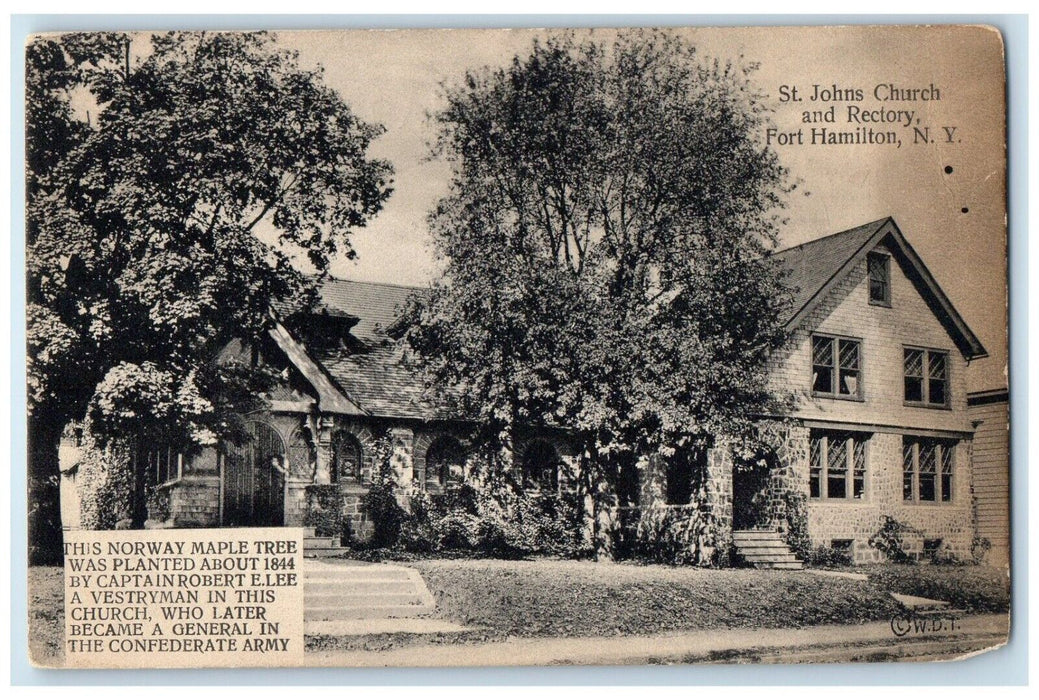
[719, 494]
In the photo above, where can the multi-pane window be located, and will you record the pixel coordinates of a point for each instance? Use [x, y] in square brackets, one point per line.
[879, 266]
[837, 464]
[927, 470]
[836, 366]
[926, 376]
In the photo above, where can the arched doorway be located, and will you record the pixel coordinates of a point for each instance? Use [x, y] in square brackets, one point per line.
[254, 479]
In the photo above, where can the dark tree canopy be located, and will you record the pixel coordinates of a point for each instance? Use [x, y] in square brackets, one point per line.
[606, 243]
[144, 211]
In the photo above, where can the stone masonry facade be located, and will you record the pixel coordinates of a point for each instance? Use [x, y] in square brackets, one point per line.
[881, 415]
[877, 414]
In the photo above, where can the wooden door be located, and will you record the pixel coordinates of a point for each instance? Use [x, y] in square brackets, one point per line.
[254, 481]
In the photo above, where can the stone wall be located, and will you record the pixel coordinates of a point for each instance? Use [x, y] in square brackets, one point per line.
[857, 520]
[195, 501]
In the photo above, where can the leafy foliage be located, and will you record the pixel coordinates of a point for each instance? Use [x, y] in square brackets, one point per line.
[823, 557]
[686, 535]
[495, 518]
[324, 511]
[144, 246]
[172, 182]
[606, 246]
[889, 539]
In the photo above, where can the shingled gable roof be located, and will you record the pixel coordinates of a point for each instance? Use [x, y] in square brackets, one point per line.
[375, 381]
[372, 378]
[816, 266]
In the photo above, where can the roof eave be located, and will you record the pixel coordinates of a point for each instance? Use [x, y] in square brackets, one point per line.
[966, 342]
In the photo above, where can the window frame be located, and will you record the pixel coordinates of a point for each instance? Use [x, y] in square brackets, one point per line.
[849, 436]
[925, 379]
[345, 435]
[942, 448]
[835, 369]
[885, 259]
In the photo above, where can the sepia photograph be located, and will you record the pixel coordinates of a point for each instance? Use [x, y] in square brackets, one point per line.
[516, 347]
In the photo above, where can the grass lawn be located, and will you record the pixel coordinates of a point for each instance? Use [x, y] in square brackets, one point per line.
[569, 598]
[577, 598]
[976, 589]
[46, 616]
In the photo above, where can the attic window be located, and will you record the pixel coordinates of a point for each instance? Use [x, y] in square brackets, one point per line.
[879, 266]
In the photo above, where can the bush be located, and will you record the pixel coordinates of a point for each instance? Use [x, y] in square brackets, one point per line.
[386, 515]
[889, 540]
[828, 556]
[796, 533]
[107, 485]
[979, 547]
[685, 535]
[495, 518]
[325, 510]
[45, 533]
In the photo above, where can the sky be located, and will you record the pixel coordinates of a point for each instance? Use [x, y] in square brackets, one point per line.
[947, 193]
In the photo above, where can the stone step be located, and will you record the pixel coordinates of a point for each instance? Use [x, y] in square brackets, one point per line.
[320, 552]
[347, 576]
[745, 535]
[354, 600]
[769, 558]
[762, 548]
[367, 611]
[325, 587]
[310, 542]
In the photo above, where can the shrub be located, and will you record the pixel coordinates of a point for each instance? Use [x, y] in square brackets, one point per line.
[107, 491]
[386, 515]
[796, 531]
[324, 510]
[496, 518]
[685, 535]
[889, 540]
[828, 556]
[979, 547]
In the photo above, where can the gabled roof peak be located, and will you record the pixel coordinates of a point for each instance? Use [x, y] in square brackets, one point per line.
[816, 266]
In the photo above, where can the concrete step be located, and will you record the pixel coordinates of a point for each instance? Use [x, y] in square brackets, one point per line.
[360, 612]
[366, 586]
[360, 575]
[769, 558]
[311, 542]
[353, 600]
[319, 552]
[755, 534]
[758, 540]
[763, 548]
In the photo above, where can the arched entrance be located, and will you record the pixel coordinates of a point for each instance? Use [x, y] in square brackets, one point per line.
[254, 479]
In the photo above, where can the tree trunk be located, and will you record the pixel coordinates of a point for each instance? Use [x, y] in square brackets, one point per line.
[44, 493]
